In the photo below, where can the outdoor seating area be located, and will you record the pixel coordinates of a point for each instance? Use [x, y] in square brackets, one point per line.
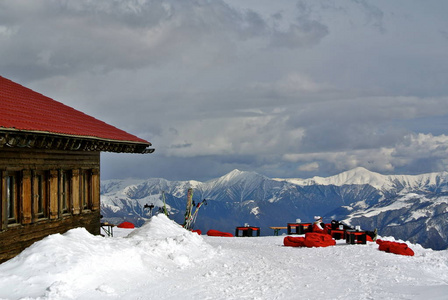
[298, 228]
[247, 231]
[356, 237]
[327, 234]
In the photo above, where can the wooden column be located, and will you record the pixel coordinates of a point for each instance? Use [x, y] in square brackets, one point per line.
[54, 199]
[35, 197]
[95, 189]
[75, 192]
[26, 197]
[3, 207]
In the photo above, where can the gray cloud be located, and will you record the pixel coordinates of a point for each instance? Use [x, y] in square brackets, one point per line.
[288, 89]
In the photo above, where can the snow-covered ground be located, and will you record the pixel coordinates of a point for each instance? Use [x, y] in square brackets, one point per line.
[161, 260]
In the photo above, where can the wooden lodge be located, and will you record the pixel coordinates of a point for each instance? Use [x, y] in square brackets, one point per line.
[50, 167]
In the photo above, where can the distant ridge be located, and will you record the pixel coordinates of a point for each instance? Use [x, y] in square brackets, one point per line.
[361, 175]
[408, 207]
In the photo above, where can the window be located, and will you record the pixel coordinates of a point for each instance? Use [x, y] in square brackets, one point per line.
[86, 189]
[66, 191]
[40, 192]
[12, 197]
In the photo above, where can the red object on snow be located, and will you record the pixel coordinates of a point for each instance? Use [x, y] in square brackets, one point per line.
[198, 231]
[291, 241]
[311, 239]
[395, 247]
[126, 225]
[213, 232]
[316, 228]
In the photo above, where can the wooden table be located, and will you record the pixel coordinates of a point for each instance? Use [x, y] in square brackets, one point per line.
[298, 228]
[337, 234]
[277, 229]
[247, 231]
[355, 237]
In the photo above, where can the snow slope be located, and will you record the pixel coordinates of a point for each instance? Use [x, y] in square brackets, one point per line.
[161, 260]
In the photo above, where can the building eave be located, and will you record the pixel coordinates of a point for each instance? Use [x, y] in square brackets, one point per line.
[10, 137]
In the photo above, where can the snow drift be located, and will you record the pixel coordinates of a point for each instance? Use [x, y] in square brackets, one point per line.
[62, 266]
[161, 260]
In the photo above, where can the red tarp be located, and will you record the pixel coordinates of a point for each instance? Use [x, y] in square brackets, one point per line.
[294, 241]
[126, 225]
[311, 239]
[395, 247]
[213, 232]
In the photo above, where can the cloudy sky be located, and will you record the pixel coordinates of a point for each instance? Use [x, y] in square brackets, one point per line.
[283, 88]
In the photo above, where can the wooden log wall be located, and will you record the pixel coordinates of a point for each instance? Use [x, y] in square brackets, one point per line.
[17, 238]
[16, 159]
[27, 165]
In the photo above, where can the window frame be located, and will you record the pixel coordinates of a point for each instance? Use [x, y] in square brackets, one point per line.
[86, 190]
[40, 194]
[66, 187]
[12, 197]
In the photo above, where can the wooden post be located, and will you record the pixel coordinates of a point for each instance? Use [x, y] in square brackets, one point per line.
[3, 207]
[60, 193]
[54, 199]
[26, 197]
[75, 192]
[34, 196]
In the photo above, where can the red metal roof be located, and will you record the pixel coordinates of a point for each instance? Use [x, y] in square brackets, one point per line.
[24, 109]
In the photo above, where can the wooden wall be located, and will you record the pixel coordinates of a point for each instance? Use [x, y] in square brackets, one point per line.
[24, 158]
[16, 239]
[82, 185]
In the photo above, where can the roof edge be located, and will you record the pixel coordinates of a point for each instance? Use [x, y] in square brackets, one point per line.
[73, 135]
[14, 138]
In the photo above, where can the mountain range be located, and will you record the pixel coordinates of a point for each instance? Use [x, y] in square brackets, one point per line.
[409, 207]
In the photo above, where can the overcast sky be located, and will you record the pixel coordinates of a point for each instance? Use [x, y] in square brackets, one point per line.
[283, 88]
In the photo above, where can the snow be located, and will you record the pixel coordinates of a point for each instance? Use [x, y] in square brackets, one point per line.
[361, 175]
[161, 260]
[405, 201]
[114, 185]
[231, 175]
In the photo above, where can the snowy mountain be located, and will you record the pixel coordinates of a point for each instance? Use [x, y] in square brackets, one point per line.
[408, 207]
[360, 176]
